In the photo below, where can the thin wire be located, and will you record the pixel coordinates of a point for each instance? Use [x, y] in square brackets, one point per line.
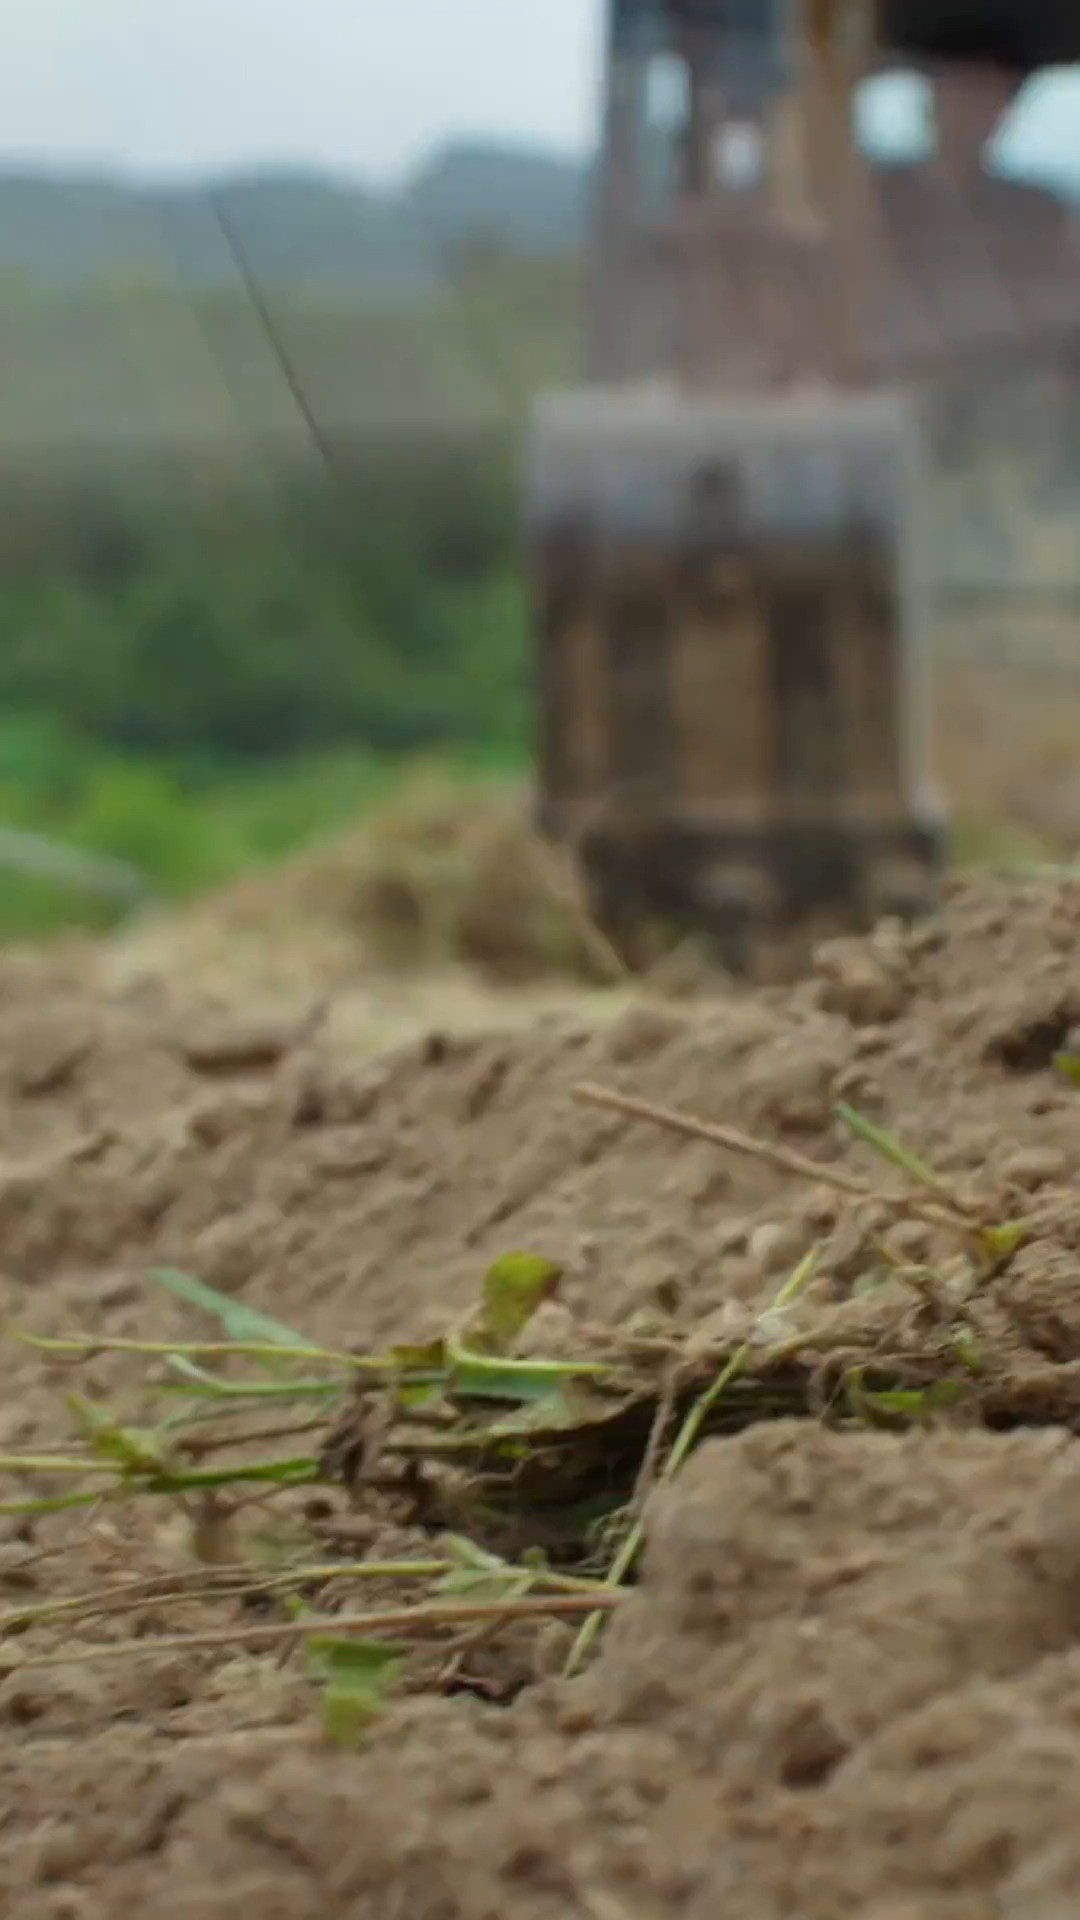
[261, 308]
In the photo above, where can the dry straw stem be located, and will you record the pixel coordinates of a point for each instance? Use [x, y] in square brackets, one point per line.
[951, 1213]
[240, 1582]
[560, 877]
[433, 1615]
[683, 1445]
[81, 1347]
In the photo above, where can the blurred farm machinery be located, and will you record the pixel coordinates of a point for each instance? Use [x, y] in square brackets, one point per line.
[727, 521]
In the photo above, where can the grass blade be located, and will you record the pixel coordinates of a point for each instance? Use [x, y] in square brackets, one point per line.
[893, 1151]
[685, 1441]
[240, 1322]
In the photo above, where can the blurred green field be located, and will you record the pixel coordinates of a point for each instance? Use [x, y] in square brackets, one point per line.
[219, 643]
[191, 375]
[188, 829]
[213, 648]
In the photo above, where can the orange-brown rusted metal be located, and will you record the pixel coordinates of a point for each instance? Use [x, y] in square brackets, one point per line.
[726, 523]
[826, 266]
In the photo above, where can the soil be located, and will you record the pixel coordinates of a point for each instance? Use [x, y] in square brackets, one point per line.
[848, 1681]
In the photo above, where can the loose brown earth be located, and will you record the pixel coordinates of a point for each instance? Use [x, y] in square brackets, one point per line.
[849, 1681]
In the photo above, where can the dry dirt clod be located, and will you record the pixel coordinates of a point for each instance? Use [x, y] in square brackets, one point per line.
[49, 1050]
[645, 1028]
[776, 1246]
[848, 1681]
[1035, 1166]
[228, 1045]
[868, 987]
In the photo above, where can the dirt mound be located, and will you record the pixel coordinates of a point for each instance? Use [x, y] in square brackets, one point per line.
[849, 1680]
[442, 876]
[848, 1684]
[325, 1182]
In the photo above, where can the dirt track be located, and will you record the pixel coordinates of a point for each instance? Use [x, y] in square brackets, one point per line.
[849, 1682]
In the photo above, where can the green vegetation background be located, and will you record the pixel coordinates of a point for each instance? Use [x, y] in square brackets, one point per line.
[211, 646]
[215, 646]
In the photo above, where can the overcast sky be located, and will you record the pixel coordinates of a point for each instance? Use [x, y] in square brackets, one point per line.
[364, 86]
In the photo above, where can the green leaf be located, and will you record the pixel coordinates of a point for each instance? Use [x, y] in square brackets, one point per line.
[302, 1470]
[465, 1553]
[967, 1350]
[239, 1321]
[548, 1416]
[199, 1383]
[486, 1589]
[1001, 1242]
[427, 1359]
[909, 1404]
[514, 1287]
[357, 1679]
[422, 1375]
[135, 1449]
[482, 1576]
[915, 1402]
[1069, 1065]
[480, 1376]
